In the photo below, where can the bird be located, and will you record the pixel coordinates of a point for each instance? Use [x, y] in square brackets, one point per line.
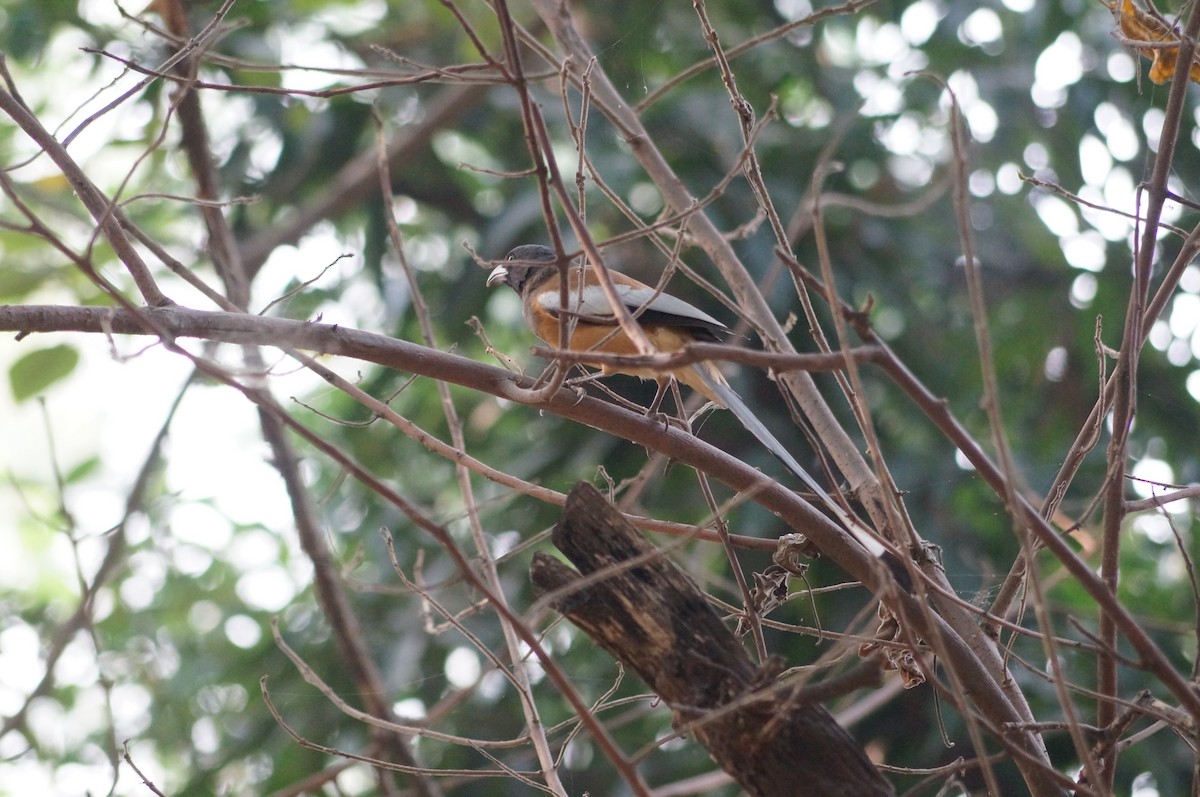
[669, 323]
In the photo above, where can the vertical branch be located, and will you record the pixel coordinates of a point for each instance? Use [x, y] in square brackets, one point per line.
[677, 196]
[335, 606]
[550, 181]
[468, 572]
[890, 521]
[749, 610]
[520, 674]
[1089, 433]
[578, 130]
[1125, 375]
[991, 402]
[222, 247]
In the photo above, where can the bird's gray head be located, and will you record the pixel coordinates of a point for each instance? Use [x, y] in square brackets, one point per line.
[520, 264]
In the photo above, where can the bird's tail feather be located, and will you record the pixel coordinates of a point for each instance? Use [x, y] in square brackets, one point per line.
[733, 402]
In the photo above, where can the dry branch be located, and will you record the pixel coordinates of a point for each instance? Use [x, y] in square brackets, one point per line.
[961, 654]
[655, 620]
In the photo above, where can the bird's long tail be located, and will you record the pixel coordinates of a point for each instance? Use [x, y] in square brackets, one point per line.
[733, 402]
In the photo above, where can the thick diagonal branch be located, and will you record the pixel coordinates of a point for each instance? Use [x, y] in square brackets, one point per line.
[640, 608]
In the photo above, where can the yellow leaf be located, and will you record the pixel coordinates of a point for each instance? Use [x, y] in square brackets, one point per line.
[52, 183]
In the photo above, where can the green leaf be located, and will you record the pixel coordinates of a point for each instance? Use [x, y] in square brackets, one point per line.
[39, 369]
[82, 471]
[16, 283]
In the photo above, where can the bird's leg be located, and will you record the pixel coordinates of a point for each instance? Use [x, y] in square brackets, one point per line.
[652, 411]
[577, 383]
[685, 422]
[658, 396]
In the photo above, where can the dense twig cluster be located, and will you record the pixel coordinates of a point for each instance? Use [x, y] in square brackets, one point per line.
[962, 652]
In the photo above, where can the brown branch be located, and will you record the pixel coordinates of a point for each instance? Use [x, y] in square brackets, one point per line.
[222, 247]
[678, 198]
[991, 403]
[178, 322]
[108, 216]
[464, 74]
[1153, 502]
[652, 618]
[832, 540]
[1152, 657]
[335, 606]
[1088, 435]
[1125, 375]
[520, 675]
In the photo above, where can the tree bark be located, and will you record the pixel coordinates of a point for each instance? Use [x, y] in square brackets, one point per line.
[771, 738]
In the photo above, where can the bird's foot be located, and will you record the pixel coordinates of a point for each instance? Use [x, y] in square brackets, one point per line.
[668, 420]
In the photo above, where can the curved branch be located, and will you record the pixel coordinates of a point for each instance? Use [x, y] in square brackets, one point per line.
[175, 322]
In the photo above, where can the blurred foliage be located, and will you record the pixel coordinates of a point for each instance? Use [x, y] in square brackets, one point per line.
[182, 632]
[39, 369]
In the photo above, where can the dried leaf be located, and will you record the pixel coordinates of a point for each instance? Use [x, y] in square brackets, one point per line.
[791, 552]
[894, 657]
[1139, 26]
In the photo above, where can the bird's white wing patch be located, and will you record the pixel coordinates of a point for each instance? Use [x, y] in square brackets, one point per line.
[591, 301]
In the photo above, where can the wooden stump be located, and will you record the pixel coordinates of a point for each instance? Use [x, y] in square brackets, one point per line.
[643, 610]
